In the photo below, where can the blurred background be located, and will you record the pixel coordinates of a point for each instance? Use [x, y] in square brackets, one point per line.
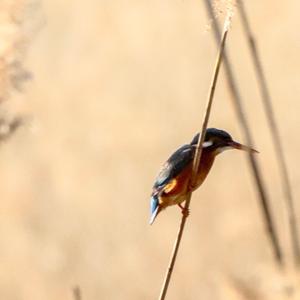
[116, 87]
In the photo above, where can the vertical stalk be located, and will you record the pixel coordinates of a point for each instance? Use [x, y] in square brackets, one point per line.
[256, 172]
[196, 160]
[267, 103]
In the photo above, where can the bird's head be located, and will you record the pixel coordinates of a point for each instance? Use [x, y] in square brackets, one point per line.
[217, 141]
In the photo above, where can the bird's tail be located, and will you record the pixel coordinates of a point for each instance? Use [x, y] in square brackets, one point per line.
[154, 208]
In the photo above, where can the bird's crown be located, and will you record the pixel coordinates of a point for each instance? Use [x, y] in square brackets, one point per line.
[213, 135]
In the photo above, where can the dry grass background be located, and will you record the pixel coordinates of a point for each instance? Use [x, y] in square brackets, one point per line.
[118, 85]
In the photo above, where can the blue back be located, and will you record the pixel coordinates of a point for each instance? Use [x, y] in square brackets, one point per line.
[179, 160]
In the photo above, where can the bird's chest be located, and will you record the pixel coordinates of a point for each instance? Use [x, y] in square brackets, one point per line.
[206, 163]
[176, 190]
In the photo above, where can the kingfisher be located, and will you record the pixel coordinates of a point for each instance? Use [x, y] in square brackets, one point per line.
[171, 186]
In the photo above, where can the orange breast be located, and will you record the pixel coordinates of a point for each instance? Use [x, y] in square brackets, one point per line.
[178, 185]
[206, 163]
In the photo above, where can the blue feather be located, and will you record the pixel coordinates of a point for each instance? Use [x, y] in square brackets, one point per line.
[154, 208]
[176, 163]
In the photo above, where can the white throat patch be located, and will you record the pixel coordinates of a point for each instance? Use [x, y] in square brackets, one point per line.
[220, 150]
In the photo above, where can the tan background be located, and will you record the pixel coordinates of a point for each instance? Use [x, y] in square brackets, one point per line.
[118, 85]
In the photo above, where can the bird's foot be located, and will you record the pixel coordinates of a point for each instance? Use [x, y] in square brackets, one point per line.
[184, 211]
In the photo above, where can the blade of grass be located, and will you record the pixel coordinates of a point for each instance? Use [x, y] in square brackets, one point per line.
[267, 103]
[256, 172]
[76, 293]
[196, 159]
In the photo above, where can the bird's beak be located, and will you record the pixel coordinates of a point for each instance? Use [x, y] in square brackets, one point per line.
[239, 146]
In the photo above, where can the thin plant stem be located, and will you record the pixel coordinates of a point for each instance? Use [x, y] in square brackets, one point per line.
[76, 293]
[267, 103]
[256, 172]
[196, 160]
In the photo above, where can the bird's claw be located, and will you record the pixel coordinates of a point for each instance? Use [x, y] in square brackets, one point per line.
[185, 211]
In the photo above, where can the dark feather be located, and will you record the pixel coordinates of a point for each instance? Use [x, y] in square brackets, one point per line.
[212, 133]
[179, 160]
[154, 208]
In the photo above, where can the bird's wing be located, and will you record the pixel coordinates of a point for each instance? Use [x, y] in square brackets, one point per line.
[177, 162]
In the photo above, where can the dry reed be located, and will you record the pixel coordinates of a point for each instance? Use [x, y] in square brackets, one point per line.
[14, 36]
[8, 128]
[278, 148]
[256, 172]
[76, 293]
[197, 158]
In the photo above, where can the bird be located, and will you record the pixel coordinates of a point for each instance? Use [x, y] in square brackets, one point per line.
[171, 186]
